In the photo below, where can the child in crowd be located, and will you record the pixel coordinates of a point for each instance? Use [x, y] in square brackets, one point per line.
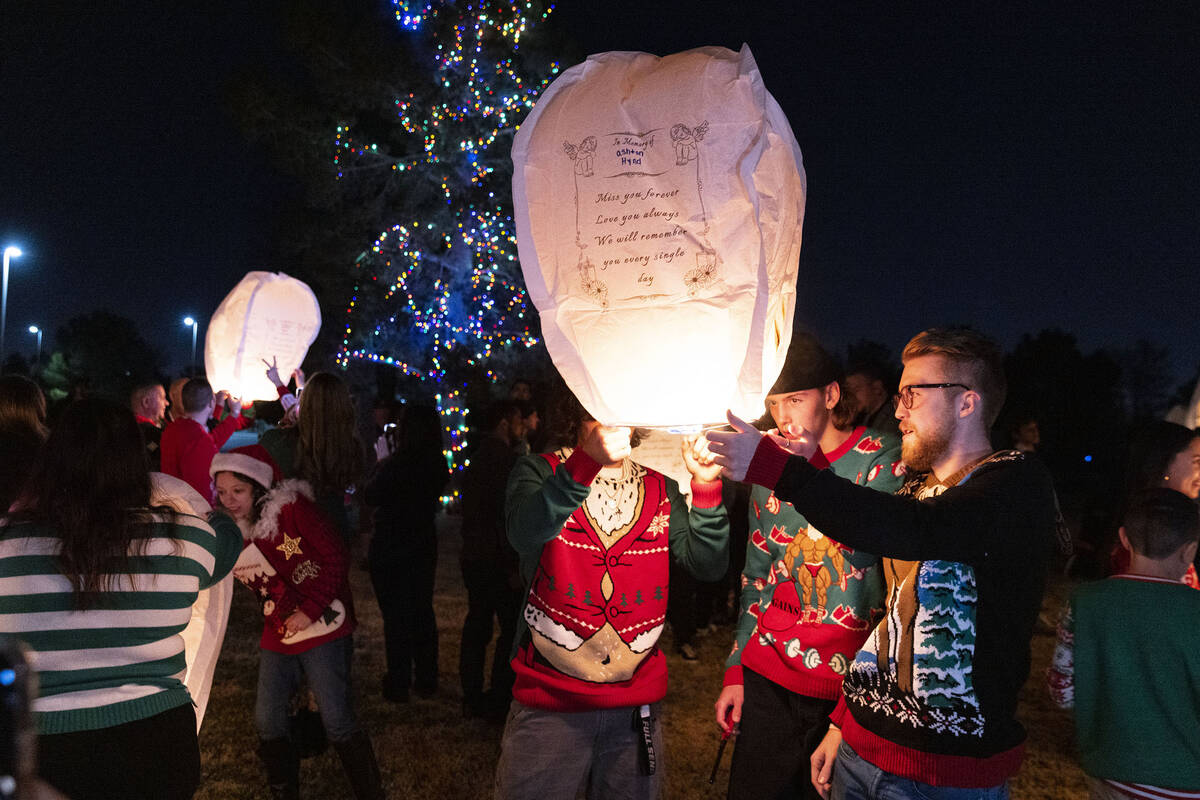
[1128, 658]
[296, 564]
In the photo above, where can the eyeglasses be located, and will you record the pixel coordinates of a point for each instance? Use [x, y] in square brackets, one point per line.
[905, 397]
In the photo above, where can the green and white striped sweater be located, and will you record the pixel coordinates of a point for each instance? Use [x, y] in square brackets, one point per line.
[122, 659]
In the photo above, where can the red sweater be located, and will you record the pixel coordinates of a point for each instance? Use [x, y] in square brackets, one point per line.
[187, 450]
[596, 551]
[293, 559]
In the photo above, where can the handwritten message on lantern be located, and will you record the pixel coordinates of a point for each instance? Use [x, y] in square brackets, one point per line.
[659, 205]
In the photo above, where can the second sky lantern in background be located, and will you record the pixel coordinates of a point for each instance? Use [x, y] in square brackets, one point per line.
[659, 205]
[267, 316]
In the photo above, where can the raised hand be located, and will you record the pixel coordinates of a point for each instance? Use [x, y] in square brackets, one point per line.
[733, 450]
[699, 459]
[273, 371]
[606, 445]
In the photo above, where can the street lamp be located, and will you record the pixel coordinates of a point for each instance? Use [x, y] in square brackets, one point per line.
[38, 331]
[195, 326]
[10, 252]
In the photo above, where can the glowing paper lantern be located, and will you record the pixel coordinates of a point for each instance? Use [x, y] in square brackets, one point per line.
[659, 205]
[267, 316]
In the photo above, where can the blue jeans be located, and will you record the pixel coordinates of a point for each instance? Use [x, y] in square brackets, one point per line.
[855, 778]
[327, 668]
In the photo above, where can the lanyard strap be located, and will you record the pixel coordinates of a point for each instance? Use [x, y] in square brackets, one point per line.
[645, 723]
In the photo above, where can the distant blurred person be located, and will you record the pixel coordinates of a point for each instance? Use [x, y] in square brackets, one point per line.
[99, 586]
[1025, 435]
[187, 446]
[531, 433]
[489, 564]
[148, 401]
[323, 447]
[521, 391]
[22, 433]
[869, 386]
[402, 557]
[175, 394]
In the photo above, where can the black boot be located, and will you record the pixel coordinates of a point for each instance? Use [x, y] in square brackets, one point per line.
[358, 759]
[282, 766]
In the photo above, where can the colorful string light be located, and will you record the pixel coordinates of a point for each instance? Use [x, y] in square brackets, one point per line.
[443, 291]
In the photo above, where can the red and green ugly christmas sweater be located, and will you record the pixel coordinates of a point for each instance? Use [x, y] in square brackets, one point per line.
[293, 559]
[594, 546]
[808, 602]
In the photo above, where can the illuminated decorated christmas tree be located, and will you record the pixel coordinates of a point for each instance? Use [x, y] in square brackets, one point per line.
[438, 294]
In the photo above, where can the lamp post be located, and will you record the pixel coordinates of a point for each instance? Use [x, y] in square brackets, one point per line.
[10, 252]
[35, 329]
[195, 326]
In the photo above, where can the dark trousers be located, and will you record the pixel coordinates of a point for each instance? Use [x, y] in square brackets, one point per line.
[779, 731]
[403, 581]
[692, 604]
[154, 757]
[488, 595]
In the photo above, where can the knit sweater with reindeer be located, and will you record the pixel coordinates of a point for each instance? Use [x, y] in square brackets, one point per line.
[294, 560]
[807, 601]
[595, 547]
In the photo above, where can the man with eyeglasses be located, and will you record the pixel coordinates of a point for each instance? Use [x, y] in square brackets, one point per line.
[929, 704]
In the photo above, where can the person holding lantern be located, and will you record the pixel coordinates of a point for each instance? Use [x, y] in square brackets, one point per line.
[595, 533]
[807, 601]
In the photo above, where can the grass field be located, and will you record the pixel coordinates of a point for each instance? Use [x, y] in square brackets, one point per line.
[426, 746]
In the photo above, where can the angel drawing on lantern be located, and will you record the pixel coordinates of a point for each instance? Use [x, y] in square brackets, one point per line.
[582, 154]
[685, 139]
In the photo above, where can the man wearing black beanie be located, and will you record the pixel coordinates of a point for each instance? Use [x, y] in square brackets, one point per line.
[807, 602]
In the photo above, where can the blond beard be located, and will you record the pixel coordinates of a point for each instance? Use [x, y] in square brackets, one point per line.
[919, 451]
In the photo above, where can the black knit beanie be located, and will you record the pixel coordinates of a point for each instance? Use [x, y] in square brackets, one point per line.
[807, 366]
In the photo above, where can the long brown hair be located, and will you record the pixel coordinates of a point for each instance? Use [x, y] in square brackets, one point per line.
[329, 454]
[22, 405]
[91, 486]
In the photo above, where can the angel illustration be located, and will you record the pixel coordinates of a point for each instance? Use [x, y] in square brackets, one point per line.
[685, 139]
[582, 155]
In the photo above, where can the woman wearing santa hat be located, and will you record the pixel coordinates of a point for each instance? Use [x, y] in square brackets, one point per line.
[296, 564]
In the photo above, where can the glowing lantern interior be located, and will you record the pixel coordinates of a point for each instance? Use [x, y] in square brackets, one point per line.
[659, 205]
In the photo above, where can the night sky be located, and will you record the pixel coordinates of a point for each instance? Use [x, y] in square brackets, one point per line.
[1015, 168]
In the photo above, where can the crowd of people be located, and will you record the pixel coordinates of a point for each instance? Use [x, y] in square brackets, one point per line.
[887, 565]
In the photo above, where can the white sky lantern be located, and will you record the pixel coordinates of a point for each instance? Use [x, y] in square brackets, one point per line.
[268, 315]
[659, 205]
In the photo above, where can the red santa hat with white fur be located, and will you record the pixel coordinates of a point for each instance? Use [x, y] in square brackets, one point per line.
[252, 461]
